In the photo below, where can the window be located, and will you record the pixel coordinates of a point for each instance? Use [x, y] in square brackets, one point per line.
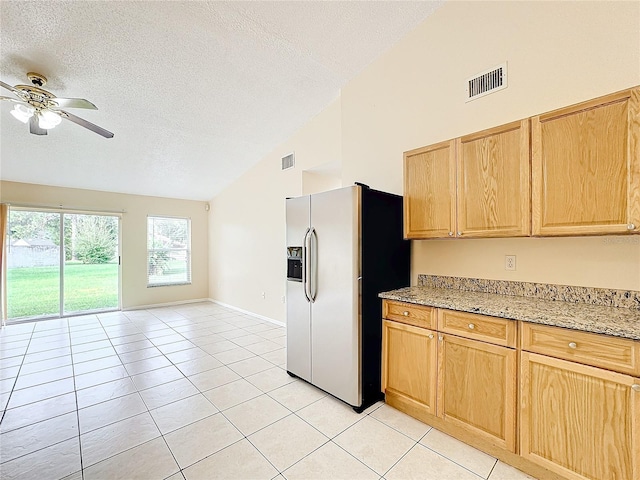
[168, 251]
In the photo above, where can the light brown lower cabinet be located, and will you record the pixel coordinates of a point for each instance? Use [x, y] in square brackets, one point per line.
[409, 366]
[477, 388]
[579, 421]
[555, 413]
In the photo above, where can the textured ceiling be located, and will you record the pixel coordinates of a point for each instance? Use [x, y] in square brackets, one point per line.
[195, 92]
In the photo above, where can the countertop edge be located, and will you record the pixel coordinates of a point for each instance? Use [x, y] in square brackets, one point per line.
[613, 321]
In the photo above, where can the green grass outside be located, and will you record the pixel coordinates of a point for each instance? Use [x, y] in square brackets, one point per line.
[35, 291]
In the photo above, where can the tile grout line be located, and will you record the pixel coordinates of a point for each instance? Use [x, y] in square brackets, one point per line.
[180, 469]
[6, 406]
[138, 392]
[78, 409]
[75, 392]
[453, 461]
[56, 416]
[492, 469]
[221, 412]
[254, 355]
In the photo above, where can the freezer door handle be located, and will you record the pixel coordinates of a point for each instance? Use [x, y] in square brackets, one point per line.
[306, 264]
[313, 256]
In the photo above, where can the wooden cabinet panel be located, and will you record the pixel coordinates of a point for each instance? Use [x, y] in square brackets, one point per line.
[493, 174]
[586, 167]
[579, 421]
[477, 388]
[416, 315]
[618, 354]
[500, 331]
[409, 357]
[429, 191]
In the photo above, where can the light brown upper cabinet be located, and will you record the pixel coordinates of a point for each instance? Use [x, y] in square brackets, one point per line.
[483, 177]
[493, 182]
[586, 167]
[429, 191]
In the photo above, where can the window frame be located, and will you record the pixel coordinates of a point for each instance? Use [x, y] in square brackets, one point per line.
[187, 251]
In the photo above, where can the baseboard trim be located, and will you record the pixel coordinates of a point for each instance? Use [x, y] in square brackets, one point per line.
[167, 304]
[247, 312]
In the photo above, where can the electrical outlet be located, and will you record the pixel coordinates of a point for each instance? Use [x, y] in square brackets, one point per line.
[509, 262]
[264, 295]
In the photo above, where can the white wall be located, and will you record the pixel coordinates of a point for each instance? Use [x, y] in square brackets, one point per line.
[558, 53]
[135, 292]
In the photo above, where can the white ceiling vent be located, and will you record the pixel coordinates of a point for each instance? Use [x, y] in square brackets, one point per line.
[487, 82]
[288, 161]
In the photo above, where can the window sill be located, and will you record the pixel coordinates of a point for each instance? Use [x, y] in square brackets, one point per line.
[154, 285]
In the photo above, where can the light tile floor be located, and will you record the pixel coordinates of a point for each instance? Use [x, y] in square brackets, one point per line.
[196, 391]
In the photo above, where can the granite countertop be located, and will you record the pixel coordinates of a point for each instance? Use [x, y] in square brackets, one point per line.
[616, 321]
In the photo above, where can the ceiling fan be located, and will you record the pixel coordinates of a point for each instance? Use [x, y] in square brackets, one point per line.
[43, 110]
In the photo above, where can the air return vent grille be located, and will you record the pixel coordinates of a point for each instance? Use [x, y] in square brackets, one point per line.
[487, 82]
[288, 161]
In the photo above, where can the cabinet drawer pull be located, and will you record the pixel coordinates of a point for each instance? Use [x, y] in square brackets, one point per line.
[631, 226]
[405, 313]
[635, 387]
[451, 234]
[431, 335]
[471, 326]
[459, 234]
[440, 337]
[573, 345]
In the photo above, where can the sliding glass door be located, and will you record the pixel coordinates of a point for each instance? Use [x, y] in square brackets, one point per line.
[33, 264]
[61, 263]
[90, 276]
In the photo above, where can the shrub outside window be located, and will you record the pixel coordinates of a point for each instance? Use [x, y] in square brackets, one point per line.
[168, 251]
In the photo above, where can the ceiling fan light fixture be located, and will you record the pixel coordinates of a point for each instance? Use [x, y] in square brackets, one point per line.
[23, 112]
[48, 120]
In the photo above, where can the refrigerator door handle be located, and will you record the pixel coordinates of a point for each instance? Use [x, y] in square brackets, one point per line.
[305, 265]
[313, 282]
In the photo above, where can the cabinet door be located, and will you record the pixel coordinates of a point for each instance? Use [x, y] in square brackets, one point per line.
[477, 388]
[586, 167]
[581, 422]
[409, 365]
[493, 182]
[429, 191]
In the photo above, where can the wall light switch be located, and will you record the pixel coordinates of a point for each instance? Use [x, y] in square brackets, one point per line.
[509, 262]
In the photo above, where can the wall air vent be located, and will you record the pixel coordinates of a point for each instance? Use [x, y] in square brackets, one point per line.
[288, 161]
[487, 82]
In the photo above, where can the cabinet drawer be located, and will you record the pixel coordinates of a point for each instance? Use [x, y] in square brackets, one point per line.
[409, 313]
[499, 331]
[618, 354]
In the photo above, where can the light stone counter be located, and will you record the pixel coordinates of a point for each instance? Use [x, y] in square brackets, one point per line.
[616, 321]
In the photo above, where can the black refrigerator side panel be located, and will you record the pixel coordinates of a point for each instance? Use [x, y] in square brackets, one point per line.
[385, 266]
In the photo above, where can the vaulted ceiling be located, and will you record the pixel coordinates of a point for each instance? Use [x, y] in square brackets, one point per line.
[196, 92]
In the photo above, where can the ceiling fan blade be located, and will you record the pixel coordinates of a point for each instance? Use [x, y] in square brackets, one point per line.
[86, 124]
[74, 103]
[9, 99]
[13, 89]
[34, 127]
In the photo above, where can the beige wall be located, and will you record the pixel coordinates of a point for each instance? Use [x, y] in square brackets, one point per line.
[247, 220]
[318, 182]
[133, 235]
[558, 53]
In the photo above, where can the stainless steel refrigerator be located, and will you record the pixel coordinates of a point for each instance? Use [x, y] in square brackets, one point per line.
[344, 247]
